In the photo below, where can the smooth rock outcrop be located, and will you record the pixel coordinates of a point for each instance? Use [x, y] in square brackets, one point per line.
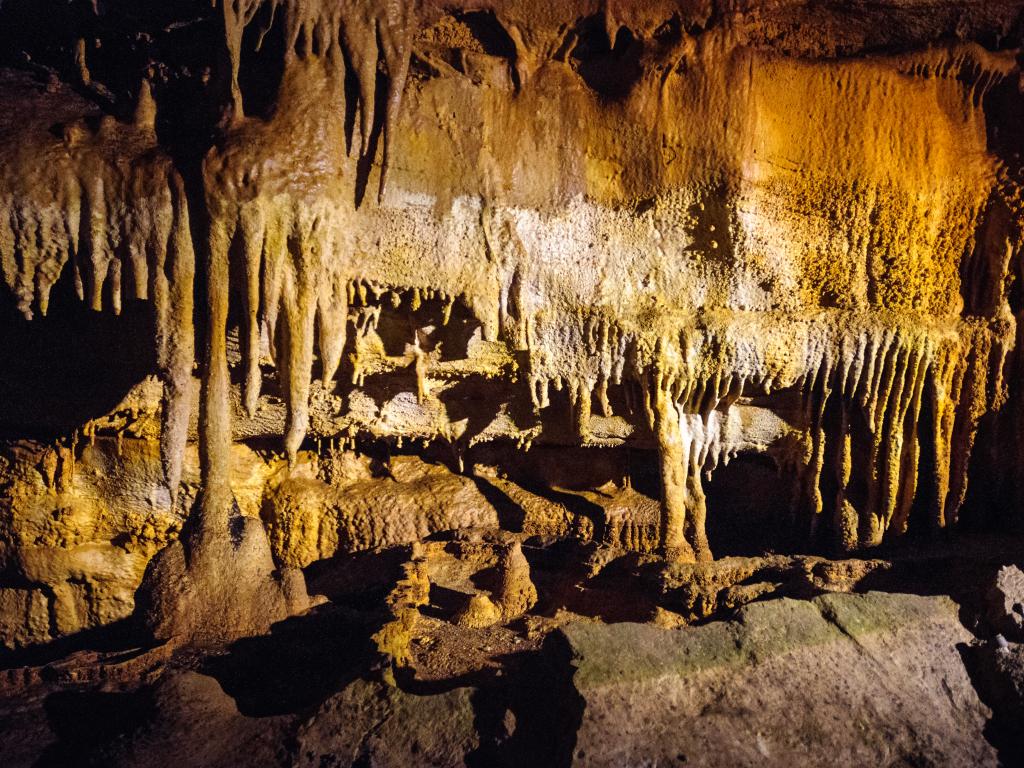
[862, 679]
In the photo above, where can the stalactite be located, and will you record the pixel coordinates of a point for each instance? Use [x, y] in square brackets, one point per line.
[580, 404]
[300, 304]
[396, 27]
[274, 262]
[252, 226]
[237, 15]
[332, 320]
[360, 38]
[316, 27]
[120, 225]
[175, 279]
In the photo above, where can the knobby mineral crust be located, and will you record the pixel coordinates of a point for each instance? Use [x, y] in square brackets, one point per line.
[529, 296]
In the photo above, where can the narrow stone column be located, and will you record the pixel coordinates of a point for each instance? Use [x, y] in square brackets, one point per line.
[673, 465]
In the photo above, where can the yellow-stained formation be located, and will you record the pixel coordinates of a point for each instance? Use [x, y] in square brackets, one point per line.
[637, 223]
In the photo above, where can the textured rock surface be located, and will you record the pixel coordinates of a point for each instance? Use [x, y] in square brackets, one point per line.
[187, 702]
[383, 726]
[309, 520]
[770, 687]
[492, 323]
[657, 226]
[1005, 602]
[841, 679]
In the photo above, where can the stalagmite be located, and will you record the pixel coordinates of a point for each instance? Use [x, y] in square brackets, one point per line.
[420, 363]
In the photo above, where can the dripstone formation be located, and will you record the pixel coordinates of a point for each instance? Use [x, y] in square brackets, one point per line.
[424, 321]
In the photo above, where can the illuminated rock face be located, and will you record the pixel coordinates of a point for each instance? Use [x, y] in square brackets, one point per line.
[680, 228]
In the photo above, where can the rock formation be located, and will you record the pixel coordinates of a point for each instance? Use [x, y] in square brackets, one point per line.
[650, 283]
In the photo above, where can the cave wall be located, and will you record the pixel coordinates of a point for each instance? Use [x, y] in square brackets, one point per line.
[670, 232]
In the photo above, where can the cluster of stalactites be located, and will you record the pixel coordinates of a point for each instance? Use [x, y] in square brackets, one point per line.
[121, 227]
[294, 289]
[295, 282]
[298, 291]
[362, 32]
[896, 393]
[876, 397]
[979, 69]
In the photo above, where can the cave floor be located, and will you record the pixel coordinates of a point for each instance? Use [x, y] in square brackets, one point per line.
[621, 660]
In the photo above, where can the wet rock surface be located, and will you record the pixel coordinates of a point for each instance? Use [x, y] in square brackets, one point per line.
[508, 382]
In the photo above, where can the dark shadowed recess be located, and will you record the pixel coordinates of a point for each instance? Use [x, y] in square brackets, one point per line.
[58, 372]
[122, 639]
[302, 662]
[532, 690]
[609, 67]
[747, 499]
[85, 720]
[1003, 730]
[177, 45]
